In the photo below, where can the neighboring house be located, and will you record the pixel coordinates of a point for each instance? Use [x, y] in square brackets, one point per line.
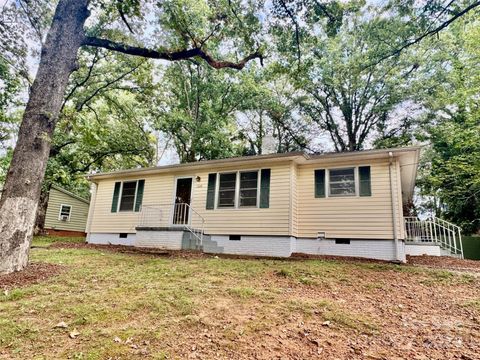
[66, 213]
[347, 204]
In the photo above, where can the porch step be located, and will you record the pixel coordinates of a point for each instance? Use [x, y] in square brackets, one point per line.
[189, 241]
[428, 248]
[211, 246]
[438, 235]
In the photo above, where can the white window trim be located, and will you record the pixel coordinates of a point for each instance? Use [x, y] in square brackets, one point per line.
[355, 179]
[120, 196]
[237, 190]
[60, 212]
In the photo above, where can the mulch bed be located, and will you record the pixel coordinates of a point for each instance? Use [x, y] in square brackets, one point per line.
[32, 274]
[302, 256]
[445, 262]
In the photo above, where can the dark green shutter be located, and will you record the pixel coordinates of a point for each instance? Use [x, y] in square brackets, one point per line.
[320, 183]
[116, 193]
[365, 186]
[265, 188]
[139, 199]
[212, 180]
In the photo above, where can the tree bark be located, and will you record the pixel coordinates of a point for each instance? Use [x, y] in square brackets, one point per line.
[19, 202]
[42, 212]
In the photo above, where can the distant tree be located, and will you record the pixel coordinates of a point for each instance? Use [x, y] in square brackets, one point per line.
[351, 60]
[196, 107]
[274, 113]
[450, 180]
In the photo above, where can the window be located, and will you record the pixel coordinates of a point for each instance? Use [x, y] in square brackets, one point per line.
[128, 196]
[240, 189]
[235, 237]
[248, 188]
[226, 190]
[65, 211]
[342, 182]
[342, 241]
[354, 181]
[127, 200]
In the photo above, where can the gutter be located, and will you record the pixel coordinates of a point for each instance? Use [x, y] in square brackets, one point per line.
[298, 157]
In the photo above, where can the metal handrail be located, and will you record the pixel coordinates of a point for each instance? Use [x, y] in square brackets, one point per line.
[435, 230]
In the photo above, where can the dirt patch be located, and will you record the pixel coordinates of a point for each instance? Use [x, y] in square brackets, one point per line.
[32, 274]
[130, 250]
[445, 262]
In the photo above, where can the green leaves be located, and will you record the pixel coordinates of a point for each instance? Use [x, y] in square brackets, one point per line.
[105, 119]
[196, 107]
[451, 168]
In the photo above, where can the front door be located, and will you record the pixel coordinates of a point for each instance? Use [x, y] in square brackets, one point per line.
[183, 196]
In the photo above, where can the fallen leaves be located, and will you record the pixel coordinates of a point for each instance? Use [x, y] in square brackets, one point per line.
[61, 324]
[74, 333]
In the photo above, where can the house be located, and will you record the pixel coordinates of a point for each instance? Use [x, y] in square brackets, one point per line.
[66, 213]
[347, 204]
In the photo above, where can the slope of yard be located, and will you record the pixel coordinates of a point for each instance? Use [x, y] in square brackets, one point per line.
[101, 304]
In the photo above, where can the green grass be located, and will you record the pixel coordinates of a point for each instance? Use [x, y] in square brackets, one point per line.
[48, 240]
[164, 300]
[471, 247]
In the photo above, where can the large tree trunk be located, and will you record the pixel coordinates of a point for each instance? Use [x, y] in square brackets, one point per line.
[18, 205]
[42, 212]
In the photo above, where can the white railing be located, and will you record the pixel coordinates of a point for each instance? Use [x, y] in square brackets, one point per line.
[179, 215]
[435, 230]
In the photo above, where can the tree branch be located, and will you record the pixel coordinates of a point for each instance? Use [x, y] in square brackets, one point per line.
[295, 24]
[426, 34]
[124, 18]
[170, 55]
[80, 106]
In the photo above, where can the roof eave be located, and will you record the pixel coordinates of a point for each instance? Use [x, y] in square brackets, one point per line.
[197, 165]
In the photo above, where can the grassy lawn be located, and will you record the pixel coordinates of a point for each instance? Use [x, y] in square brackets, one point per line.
[125, 306]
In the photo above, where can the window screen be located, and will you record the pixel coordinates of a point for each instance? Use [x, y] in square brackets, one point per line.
[248, 188]
[65, 210]
[342, 182]
[128, 196]
[226, 190]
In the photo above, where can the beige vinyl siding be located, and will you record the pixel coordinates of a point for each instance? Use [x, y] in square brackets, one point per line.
[356, 217]
[293, 211]
[159, 192]
[78, 214]
[249, 221]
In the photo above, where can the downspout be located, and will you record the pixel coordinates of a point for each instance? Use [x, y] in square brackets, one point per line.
[93, 196]
[394, 208]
